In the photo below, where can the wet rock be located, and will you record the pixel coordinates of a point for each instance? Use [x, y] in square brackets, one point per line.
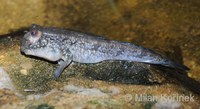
[114, 90]
[167, 104]
[34, 97]
[24, 71]
[5, 81]
[26, 65]
[41, 106]
[39, 96]
[125, 72]
[84, 91]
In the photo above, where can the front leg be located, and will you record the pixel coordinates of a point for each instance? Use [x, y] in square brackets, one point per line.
[65, 61]
[61, 67]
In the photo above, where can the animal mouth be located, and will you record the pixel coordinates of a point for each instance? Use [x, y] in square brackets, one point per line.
[24, 50]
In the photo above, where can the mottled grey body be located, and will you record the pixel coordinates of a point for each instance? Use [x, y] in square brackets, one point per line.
[65, 46]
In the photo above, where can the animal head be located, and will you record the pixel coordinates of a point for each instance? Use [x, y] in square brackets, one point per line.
[40, 42]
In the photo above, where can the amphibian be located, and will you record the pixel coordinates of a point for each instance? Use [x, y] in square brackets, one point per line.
[66, 46]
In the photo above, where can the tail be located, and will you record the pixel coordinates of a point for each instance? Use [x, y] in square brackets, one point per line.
[171, 64]
[186, 81]
[181, 76]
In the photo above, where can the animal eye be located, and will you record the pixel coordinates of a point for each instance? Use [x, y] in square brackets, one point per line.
[34, 36]
[34, 32]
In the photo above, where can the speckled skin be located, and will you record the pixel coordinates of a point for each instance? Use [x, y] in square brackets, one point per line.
[65, 46]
